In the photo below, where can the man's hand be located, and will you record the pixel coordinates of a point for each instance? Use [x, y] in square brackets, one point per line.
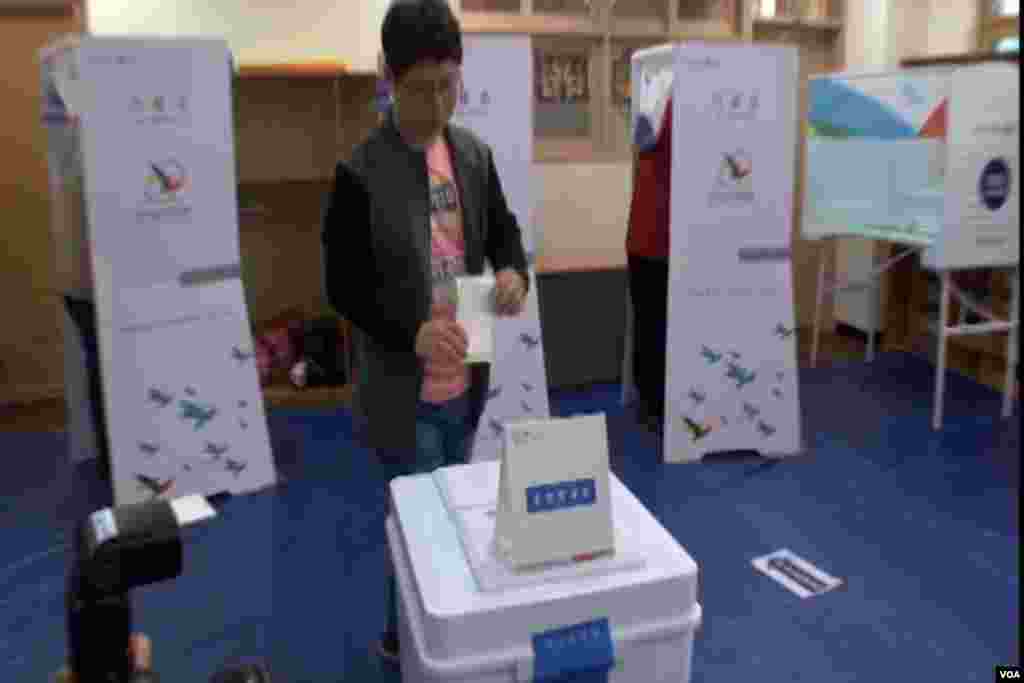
[509, 292]
[141, 651]
[442, 341]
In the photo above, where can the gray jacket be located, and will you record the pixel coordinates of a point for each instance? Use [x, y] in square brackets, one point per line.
[377, 267]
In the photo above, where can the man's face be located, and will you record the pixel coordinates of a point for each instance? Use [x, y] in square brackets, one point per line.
[426, 96]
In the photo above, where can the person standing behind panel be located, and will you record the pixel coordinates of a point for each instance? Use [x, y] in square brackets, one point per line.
[418, 204]
[647, 249]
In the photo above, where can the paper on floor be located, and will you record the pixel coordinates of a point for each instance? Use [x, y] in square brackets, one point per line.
[796, 574]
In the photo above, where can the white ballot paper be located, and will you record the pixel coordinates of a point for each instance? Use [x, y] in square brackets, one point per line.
[476, 313]
[553, 493]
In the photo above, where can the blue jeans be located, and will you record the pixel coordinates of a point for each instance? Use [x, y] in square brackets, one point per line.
[444, 437]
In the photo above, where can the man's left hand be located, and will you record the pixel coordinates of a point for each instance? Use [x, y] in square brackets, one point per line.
[509, 292]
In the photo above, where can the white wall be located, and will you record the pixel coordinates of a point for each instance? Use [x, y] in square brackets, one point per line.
[582, 212]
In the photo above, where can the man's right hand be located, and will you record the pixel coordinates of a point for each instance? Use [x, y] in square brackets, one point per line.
[442, 341]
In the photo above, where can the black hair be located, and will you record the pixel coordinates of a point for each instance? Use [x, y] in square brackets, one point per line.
[416, 31]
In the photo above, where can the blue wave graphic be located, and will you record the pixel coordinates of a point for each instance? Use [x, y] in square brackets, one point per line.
[834, 105]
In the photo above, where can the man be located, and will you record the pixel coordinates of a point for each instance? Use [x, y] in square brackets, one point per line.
[419, 204]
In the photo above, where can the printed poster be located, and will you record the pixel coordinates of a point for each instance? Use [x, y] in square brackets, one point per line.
[153, 122]
[732, 355]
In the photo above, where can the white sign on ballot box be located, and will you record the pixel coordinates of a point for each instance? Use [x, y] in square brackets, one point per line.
[152, 120]
[553, 495]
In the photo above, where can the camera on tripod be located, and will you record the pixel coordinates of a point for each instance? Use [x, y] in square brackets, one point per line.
[115, 551]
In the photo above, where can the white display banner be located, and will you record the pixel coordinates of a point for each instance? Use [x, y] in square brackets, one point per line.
[496, 104]
[183, 401]
[732, 357]
[982, 190]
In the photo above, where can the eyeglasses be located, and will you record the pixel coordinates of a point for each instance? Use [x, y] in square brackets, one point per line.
[429, 90]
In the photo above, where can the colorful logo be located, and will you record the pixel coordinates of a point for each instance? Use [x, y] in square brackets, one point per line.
[165, 182]
[734, 181]
[994, 185]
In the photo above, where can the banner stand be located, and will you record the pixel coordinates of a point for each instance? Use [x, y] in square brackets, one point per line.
[731, 367]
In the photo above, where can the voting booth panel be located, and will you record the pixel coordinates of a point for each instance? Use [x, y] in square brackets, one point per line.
[981, 227]
[732, 358]
[151, 123]
[876, 155]
[496, 105]
[637, 623]
[518, 381]
[927, 158]
[923, 157]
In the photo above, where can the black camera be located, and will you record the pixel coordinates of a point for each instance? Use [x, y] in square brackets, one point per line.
[117, 550]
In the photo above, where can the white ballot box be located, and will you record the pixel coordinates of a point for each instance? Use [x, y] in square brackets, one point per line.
[635, 621]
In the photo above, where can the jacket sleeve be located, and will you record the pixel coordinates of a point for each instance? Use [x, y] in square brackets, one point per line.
[504, 245]
[351, 279]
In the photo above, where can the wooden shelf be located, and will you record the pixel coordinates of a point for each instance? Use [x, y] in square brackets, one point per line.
[714, 29]
[824, 24]
[961, 60]
[287, 396]
[310, 70]
[629, 28]
[533, 24]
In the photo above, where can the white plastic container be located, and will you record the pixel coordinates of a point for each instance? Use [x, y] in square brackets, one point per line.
[451, 631]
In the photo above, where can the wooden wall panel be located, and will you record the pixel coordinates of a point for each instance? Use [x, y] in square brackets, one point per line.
[294, 129]
[289, 133]
[31, 363]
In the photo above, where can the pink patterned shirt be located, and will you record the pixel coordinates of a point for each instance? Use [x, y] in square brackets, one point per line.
[444, 381]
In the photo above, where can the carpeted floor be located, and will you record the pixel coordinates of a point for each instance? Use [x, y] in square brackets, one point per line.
[922, 526]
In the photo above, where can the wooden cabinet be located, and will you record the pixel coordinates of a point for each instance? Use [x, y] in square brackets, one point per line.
[346, 33]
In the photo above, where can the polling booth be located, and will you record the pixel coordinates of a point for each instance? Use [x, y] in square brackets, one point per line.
[142, 152]
[926, 159]
[540, 566]
[731, 358]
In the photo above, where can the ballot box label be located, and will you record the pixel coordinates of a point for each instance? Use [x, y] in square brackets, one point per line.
[561, 495]
[582, 652]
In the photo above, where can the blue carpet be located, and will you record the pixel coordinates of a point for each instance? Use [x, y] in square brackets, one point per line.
[922, 526]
